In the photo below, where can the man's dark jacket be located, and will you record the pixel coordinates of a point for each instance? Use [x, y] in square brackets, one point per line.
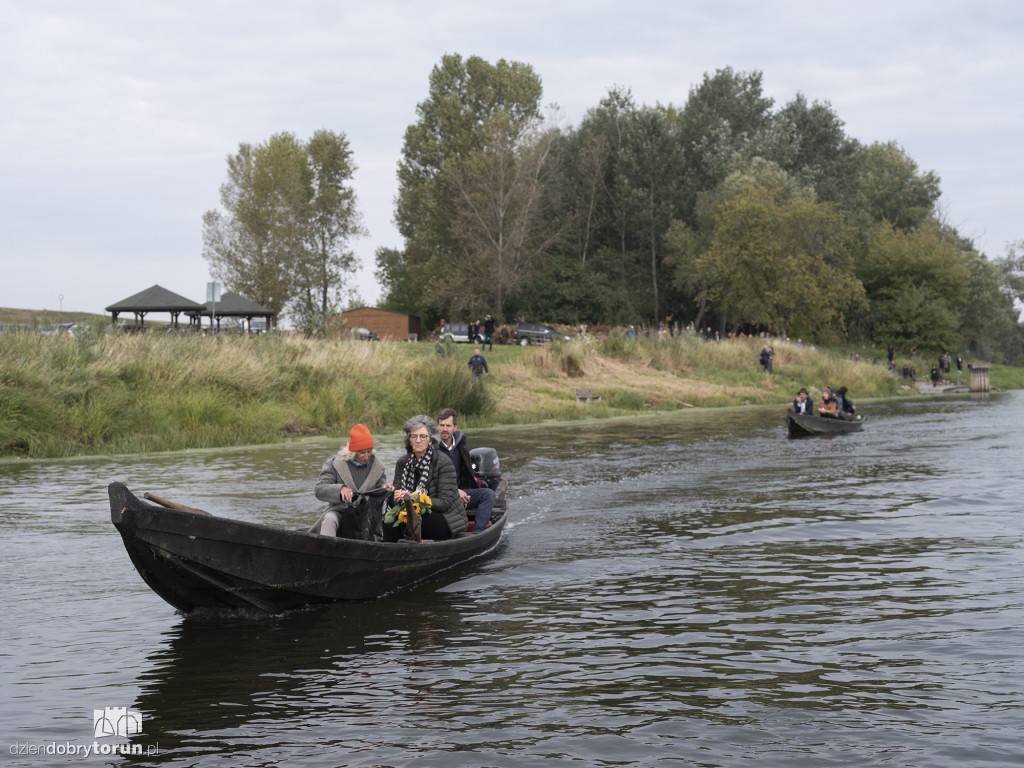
[459, 454]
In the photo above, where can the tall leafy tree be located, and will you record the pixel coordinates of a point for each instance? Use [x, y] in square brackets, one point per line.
[1011, 266]
[601, 227]
[987, 316]
[476, 125]
[255, 243]
[778, 258]
[622, 180]
[726, 115]
[892, 188]
[916, 282]
[822, 155]
[288, 212]
[333, 220]
[650, 178]
[682, 249]
[503, 218]
[399, 292]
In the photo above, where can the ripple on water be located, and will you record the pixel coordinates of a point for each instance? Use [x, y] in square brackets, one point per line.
[677, 591]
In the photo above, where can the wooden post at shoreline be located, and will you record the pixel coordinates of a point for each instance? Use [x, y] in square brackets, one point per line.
[979, 376]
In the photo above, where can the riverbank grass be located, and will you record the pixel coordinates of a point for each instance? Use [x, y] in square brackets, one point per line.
[101, 393]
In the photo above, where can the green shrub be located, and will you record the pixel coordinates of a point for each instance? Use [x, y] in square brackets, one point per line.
[628, 401]
[444, 383]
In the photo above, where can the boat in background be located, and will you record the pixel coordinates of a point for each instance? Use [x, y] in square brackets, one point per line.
[807, 425]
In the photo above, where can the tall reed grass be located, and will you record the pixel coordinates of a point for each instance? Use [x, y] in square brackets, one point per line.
[100, 393]
[63, 395]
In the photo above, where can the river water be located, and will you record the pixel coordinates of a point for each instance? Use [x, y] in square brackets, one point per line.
[694, 589]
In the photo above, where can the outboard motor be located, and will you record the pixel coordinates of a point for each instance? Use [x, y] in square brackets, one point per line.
[486, 466]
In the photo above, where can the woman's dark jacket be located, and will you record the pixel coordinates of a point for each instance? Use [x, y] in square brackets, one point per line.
[441, 488]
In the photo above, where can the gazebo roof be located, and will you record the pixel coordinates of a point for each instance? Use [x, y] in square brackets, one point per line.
[155, 299]
[233, 304]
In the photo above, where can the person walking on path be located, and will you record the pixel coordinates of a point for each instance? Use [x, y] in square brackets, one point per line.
[477, 365]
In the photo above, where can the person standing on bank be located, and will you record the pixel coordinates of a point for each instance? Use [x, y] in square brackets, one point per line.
[354, 470]
[477, 364]
[473, 493]
[488, 334]
[425, 469]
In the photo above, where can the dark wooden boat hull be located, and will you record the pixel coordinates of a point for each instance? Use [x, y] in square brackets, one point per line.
[801, 425]
[203, 561]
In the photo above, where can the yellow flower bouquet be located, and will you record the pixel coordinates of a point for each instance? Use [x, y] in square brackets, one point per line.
[398, 514]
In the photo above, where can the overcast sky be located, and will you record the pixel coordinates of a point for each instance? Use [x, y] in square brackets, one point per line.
[117, 116]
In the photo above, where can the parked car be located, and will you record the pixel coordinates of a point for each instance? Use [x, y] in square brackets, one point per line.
[359, 333]
[533, 333]
[459, 333]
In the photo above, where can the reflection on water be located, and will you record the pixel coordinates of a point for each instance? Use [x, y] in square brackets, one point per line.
[688, 590]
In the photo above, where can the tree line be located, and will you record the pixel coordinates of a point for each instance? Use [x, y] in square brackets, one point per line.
[727, 212]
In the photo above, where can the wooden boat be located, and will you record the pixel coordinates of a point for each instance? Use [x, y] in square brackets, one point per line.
[805, 425]
[194, 560]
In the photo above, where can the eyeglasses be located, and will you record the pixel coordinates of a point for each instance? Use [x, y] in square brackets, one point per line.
[419, 437]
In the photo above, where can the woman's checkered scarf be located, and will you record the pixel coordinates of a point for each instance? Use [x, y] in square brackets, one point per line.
[417, 472]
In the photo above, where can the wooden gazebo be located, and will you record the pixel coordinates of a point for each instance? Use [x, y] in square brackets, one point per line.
[153, 299]
[234, 305]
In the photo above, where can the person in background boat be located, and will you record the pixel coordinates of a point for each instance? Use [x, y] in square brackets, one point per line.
[845, 408]
[426, 469]
[473, 493]
[804, 403]
[353, 471]
[829, 407]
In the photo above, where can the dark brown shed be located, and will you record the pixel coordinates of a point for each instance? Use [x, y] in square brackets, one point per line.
[395, 326]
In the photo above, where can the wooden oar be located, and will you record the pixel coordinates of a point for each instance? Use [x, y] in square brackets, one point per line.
[173, 504]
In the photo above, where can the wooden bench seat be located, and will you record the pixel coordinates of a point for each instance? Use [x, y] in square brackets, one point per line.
[586, 395]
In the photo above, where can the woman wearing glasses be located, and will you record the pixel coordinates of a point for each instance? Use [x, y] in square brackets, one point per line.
[425, 469]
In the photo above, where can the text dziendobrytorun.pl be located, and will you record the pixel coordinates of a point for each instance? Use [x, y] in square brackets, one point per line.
[83, 750]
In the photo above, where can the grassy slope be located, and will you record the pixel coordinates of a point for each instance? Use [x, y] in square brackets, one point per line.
[109, 393]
